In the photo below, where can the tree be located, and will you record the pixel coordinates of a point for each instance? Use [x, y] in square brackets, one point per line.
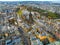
[52, 15]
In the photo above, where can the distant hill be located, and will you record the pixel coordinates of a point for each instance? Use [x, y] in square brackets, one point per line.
[39, 2]
[35, 2]
[29, 2]
[9, 3]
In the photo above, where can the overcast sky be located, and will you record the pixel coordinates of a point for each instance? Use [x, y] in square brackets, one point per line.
[30, 0]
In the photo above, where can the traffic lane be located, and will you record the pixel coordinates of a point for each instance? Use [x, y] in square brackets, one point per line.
[24, 38]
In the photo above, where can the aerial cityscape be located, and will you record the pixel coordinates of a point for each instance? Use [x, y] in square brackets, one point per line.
[29, 23]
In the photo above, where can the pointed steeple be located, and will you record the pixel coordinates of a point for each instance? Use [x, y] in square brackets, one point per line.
[30, 17]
